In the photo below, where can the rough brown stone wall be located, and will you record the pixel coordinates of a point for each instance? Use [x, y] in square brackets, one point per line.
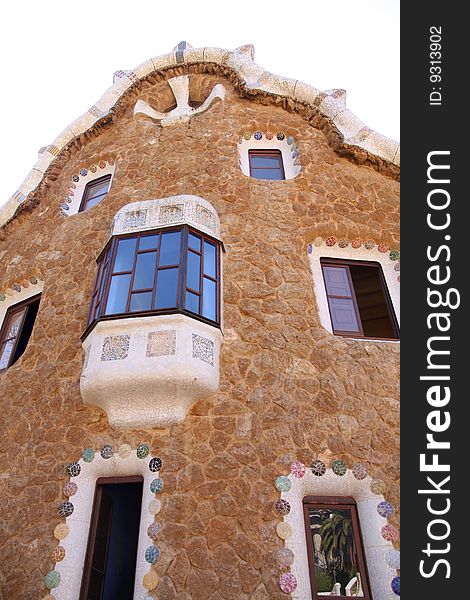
[289, 389]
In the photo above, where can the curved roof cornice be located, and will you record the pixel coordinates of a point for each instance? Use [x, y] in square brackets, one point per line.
[355, 137]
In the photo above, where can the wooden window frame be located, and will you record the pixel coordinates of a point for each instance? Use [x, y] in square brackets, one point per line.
[339, 503]
[106, 261]
[267, 152]
[13, 310]
[86, 197]
[338, 262]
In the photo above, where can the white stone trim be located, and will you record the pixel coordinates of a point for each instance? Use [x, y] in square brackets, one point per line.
[371, 523]
[291, 169]
[79, 190]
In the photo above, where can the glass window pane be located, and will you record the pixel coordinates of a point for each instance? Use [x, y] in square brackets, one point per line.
[337, 281]
[267, 174]
[145, 271]
[192, 302]
[167, 281]
[194, 242]
[142, 301]
[117, 297]
[209, 259]
[148, 242]
[125, 255]
[209, 299]
[99, 189]
[194, 271]
[170, 248]
[343, 315]
[5, 352]
[269, 161]
[15, 324]
[94, 201]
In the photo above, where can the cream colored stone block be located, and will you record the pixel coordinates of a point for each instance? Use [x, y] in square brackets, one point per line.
[330, 107]
[64, 138]
[215, 55]
[31, 182]
[43, 162]
[382, 146]
[396, 159]
[348, 124]
[276, 85]
[83, 123]
[305, 93]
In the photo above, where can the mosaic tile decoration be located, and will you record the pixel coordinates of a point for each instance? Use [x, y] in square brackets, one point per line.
[395, 585]
[392, 558]
[155, 464]
[171, 214]
[282, 507]
[283, 483]
[17, 287]
[377, 486]
[88, 455]
[339, 467]
[385, 509]
[283, 530]
[73, 469]
[390, 533]
[155, 506]
[58, 554]
[52, 580]
[287, 583]
[318, 468]
[70, 489]
[204, 217]
[161, 343]
[133, 218]
[65, 509]
[359, 471]
[61, 531]
[152, 554]
[142, 450]
[154, 530]
[203, 349]
[297, 469]
[285, 557]
[150, 580]
[115, 347]
[106, 451]
[156, 486]
[124, 450]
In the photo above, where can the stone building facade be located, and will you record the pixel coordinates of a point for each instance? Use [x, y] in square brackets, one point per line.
[267, 404]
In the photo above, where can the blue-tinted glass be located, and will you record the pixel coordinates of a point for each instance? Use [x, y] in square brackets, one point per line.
[266, 174]
[117, 297]
[208, 299]
[271, 162]
[192, 302]
[142, 301]
[125, 255]
[209, 259]
[167, 281]
[170, 248]
[148, 242]
[194, 271]
[94, 201]
[194, 242]
[145, 271]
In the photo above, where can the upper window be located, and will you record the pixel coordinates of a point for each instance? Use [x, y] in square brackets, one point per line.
[94, 192]
[335, 550]
[16, 330]
[266, 164]
[358, 299]
[159, 272]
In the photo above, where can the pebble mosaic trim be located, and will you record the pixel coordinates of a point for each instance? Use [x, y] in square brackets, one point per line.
[115, 347]
[203, 349]
[152, 553]
[171, 214]
[69, 196]
[18, 287]
[282, 142]
[161, 343]
[283, 483]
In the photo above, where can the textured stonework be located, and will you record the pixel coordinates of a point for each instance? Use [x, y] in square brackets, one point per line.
[115, 347]
[161, 343]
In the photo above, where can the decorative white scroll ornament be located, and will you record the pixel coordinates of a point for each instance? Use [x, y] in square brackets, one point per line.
[183, 112]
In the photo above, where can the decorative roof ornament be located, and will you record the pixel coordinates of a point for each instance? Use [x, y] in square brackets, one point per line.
[183, 112]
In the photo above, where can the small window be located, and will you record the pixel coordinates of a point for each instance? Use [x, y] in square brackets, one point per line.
[335, 551]
[358, 300]
[266, 164]
[94, 192]
[111, 556]
[16, 330]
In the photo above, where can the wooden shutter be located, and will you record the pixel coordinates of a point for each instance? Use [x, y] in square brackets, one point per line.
[341, 300]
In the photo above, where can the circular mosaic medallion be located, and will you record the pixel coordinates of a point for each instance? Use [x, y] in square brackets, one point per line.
[155, 506]
[280, 136]
[390, 533]
[285, 557]
[65, 509]
[65, 206]
[377, 486]
[257, 135]
[16, 288]
[395, 585]
[287, 583]
[385, 509]
[359, 471]
[369, 245]
[76, 178]
[124, 450]
[70, 193]
[283, 483]
[394, 255]
[318, 241]
[282, 507]
[318, 468]
[142, 450]
[153, 530]
[309, 248]
[88, 455]
[397, 267]
[58, 554]
[151, 554]
[383, 247]
[33, 280]
[339, 467]
[106, 451]
[102, 164]
[111, 161]
[156, 486]
[392, 558]
[83, 172]
[61, 531]
[294, 154]
[93, 168]
[69, 489]
[297, 469]
[52, 580]
[247, 135]
[150, 580]
[290, 140]
[2, 297]
[269, 135]
[155, 464]
[357, 243]
[283, 530]
[73, 469]
[343, 243]
[330, 241]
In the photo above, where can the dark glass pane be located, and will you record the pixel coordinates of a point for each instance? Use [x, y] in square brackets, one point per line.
[125, 255]
[94, 201]
[141, 301]
[194, 271]
[269, 161]
[98, 189]
[209, 259]
[5, 353]
[192, 302]
[145, 271]
[337, 281]
[14, 324]
[343, 315]
[148, 242]
[209, 299]
[266, 174]
[170, 248]
[167, 281]
[194, 242]
[117, 297]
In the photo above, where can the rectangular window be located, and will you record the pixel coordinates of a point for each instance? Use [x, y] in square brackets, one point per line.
[358, 300]
[16, 330]
[110, 560]
[335, 550]
[94, 192]
[266, 164]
